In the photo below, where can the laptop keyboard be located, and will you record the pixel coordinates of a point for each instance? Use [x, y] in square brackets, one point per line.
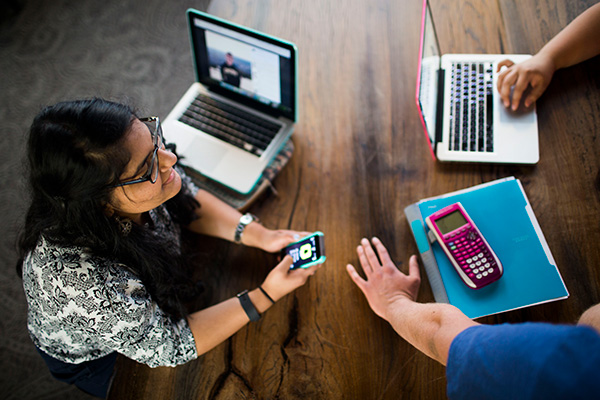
[242, 129]
[471, 109]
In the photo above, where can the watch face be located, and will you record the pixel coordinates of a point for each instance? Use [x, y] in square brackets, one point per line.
[246, 219]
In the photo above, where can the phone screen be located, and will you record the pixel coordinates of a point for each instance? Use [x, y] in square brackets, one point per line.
[305, 252]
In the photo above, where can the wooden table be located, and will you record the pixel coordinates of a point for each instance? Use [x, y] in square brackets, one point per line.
[360, 158]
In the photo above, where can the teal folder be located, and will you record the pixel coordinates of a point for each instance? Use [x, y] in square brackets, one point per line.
[502, 212]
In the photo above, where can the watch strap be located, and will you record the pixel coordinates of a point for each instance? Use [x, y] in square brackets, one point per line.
[248, 306]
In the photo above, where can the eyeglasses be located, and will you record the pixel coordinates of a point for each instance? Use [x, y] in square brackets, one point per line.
[153, 124]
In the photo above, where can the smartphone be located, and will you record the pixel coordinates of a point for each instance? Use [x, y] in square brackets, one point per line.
[469, 252]
[307, 251]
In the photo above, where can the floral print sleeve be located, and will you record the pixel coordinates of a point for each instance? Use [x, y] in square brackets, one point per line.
[82, 307]
[141, 330]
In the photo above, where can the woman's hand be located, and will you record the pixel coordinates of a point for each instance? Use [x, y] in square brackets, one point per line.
[281, 280]
[268, 239]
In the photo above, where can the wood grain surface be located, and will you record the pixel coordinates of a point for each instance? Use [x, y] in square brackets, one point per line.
[360, 158]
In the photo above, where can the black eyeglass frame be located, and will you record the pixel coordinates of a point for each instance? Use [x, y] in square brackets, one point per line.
[158, 139]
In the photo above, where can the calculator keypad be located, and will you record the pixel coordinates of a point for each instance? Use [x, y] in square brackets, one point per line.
[472, 255]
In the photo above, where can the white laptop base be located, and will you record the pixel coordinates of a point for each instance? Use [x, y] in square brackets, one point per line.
[515, 134]
[216, 159]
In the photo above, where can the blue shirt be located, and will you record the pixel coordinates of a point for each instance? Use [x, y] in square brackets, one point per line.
[524, 361]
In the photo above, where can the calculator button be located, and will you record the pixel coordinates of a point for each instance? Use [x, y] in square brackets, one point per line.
[491, 270]
[480, 254]
[478, 276]
[484, 273]
[471, 275]
[483, 259]
[469, 260]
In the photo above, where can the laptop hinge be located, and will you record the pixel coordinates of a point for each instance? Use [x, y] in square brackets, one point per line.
[439, 109]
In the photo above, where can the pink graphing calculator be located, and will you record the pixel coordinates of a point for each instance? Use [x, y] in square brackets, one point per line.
[465, 246]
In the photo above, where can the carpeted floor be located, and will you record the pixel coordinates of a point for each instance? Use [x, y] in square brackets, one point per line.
[134, 51]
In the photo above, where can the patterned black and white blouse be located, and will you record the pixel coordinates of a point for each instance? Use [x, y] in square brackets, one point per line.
[82, 307]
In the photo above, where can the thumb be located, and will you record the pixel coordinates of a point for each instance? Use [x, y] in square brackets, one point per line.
[286, 263]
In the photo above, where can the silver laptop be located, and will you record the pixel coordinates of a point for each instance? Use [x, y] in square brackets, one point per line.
[236, 117]
[461, 111]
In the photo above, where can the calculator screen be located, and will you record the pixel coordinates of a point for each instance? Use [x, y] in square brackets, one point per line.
[450, 222]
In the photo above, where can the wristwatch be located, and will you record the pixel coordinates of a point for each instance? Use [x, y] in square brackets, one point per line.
[248, 306]
[239, 229]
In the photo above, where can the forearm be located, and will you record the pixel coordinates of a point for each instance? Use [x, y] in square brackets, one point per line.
[219, 219]
[429, 327]
[591, 317]
[577, 42]
[216, 218]
[213, 325]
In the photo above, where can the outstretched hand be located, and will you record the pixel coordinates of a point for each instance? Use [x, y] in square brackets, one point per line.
[384, 283]
[528, 79]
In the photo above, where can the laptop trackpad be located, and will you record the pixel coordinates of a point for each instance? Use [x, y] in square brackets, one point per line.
[204, 155]
[516, 117]
[522, 115]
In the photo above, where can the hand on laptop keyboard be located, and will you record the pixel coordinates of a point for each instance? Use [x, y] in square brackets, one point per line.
[520, 85]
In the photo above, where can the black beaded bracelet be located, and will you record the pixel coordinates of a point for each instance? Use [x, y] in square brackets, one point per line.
[265, 293]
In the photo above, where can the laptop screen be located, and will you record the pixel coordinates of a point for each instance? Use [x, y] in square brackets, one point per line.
[427, 87]
[244, 65]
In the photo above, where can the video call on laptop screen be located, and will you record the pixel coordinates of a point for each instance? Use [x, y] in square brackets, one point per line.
[245, 66]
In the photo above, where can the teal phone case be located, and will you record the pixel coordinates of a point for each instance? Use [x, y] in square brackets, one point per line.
[321, 259]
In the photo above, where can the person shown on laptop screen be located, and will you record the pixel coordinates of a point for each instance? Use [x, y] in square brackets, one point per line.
[102, 264]
[230, 72]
